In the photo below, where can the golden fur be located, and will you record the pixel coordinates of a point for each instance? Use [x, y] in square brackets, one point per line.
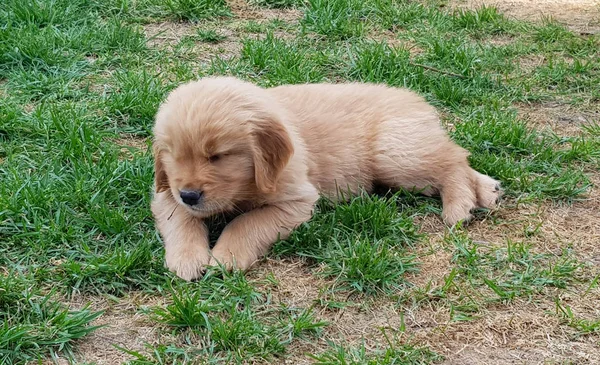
[269, 153]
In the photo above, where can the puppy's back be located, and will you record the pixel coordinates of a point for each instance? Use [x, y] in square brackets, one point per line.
[343, 125]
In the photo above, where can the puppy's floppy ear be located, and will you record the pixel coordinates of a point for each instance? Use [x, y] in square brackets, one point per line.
[273, 150]
[161, 181]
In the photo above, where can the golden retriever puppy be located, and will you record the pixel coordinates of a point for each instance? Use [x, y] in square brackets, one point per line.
[225, 145]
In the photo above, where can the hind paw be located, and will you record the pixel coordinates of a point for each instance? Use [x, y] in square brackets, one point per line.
[489, 192]
[455, 213]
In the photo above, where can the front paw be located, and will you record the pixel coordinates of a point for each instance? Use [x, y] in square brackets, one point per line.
[188, 263]
[230, 260]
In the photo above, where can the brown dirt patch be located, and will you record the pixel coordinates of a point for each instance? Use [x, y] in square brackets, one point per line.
[579, 15]
[518, 333]
[528, 63]
[563, 119]
[132, 142]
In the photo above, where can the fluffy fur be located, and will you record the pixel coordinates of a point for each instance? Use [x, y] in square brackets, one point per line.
[269, 153]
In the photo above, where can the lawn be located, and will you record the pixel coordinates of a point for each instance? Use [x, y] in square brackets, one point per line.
[379, 280]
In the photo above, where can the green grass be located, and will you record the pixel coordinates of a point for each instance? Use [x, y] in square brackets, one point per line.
[80, 78]
[233, 319]
[281, 63]
[361, 244]
[35, 323]
[337, 19]
[133, 101]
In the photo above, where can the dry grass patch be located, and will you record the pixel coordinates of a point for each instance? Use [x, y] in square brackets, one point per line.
[562, 118]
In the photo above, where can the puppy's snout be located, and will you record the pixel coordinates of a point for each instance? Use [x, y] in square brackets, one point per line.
[190, 197]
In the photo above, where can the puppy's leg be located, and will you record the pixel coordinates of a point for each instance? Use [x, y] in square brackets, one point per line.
[248, 237]
[462, 189]
[185, 237]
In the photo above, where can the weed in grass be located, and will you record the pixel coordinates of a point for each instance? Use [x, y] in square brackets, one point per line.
[461, 56]
[26, 46]
[116, 35]
[186, 310]
[392, 15]
[579, 47]
[513, 271]
[376, 218]
[165, 354]
[464, 312]
[279, 4]
[241, 332]
[582, 326]
[222, 288]
[36, 47]
[236, 67]
[253, 26]
[210, 36]
[366, 266]
[113, 271]
[568, 77]
[41, 13]
[482, 20]
[47, 84]
[551, 32]
[300, 323]
[593, 129]
[114, 8]
[395, 353]
[372, 62]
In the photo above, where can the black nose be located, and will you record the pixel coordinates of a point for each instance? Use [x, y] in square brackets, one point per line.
[190, 197]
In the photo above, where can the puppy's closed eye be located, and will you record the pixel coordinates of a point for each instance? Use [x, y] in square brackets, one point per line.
[215, 158]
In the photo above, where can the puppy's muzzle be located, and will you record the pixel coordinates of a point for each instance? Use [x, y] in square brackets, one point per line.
[190, 197]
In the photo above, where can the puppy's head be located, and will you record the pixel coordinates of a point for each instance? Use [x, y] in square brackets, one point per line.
[219, 141]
